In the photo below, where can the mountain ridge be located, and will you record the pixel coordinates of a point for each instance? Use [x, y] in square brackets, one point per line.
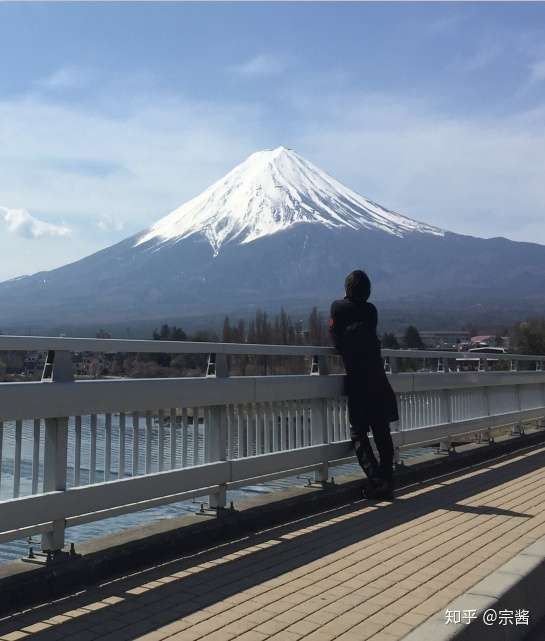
[272, 250]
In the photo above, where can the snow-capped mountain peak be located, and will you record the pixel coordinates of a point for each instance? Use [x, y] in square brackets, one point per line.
[269, 192]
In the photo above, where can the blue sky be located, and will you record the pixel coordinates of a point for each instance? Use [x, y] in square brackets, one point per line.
[111, 115]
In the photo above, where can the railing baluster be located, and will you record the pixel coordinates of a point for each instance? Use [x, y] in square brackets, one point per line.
[93, 450]
[230, 431]
[247, 430]
[17, 458]
[36, 456]
[241, 431]
[121, 462]
[274, 427]
[342, 426]
[195, 436]
[258, 414]
[108, 448]
[161, 455]
[335, 419]
[282, 425]
[1, 448]
[172, 438]
[287, 425]
[297, 410]
[77, 451]
[206, 432]
[295, 422]
[135, 442]
[149, 434]
[266, 428]
[246, 420]
[184, 437]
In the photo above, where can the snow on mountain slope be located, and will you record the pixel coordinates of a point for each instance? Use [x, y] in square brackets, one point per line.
[269, 192]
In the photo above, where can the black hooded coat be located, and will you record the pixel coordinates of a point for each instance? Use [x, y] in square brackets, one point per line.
[353, 328]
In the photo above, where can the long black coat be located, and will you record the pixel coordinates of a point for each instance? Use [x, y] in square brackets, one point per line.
[353, 328]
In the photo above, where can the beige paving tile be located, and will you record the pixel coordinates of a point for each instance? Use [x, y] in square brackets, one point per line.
[383, 571]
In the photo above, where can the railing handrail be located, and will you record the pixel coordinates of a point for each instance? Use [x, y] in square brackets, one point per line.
[128, 345]
[19, 401]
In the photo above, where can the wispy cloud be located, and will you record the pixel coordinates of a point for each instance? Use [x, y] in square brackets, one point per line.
[260, 65]
[109, 224]
[537, 72]
[21, 223]
[445, 24]
[482, 58]
[69, 77]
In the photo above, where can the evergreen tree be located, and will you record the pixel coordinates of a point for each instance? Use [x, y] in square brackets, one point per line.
[227, 333]
[412, 339]
[316, 329]
[529, 337]
[389, 341]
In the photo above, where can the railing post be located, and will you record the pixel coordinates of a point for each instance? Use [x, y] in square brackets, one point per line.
[217, 366]
[318, 433]
[319, 366]
[58, 368]
[318, 416]
[55, 451]
[217, 432]
[218, 449]
[393, 365]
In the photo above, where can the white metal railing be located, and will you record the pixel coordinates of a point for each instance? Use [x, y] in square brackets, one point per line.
[74, 451]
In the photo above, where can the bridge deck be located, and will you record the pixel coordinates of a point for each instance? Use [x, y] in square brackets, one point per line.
[364, 571]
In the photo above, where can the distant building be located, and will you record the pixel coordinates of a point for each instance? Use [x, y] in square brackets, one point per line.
[34, 363]
[441, 340]
[489, 340]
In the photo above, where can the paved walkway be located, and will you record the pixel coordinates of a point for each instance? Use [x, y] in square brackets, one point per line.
[365, 571]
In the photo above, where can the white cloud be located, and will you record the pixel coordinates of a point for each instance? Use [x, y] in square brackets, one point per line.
[162, 150]
[477, 176]
[23, 224]
[480, 175]
[260, 65]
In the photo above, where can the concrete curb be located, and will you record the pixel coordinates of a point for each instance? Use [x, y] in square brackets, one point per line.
[518, 584]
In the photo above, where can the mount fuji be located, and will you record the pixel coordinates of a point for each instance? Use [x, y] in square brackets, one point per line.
[277, 230]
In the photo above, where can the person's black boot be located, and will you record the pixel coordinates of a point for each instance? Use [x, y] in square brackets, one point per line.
[385, 491]
[372, 486]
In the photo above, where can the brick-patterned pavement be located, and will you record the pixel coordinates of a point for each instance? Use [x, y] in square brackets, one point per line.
[364, 571]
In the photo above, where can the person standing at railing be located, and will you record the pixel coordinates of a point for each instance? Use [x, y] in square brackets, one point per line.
[371, 401]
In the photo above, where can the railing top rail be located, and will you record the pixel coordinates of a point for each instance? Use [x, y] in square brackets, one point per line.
[423, 353]
[114, 345]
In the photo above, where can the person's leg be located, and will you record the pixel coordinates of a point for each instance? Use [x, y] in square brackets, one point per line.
[385, 447]
[364, 452]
